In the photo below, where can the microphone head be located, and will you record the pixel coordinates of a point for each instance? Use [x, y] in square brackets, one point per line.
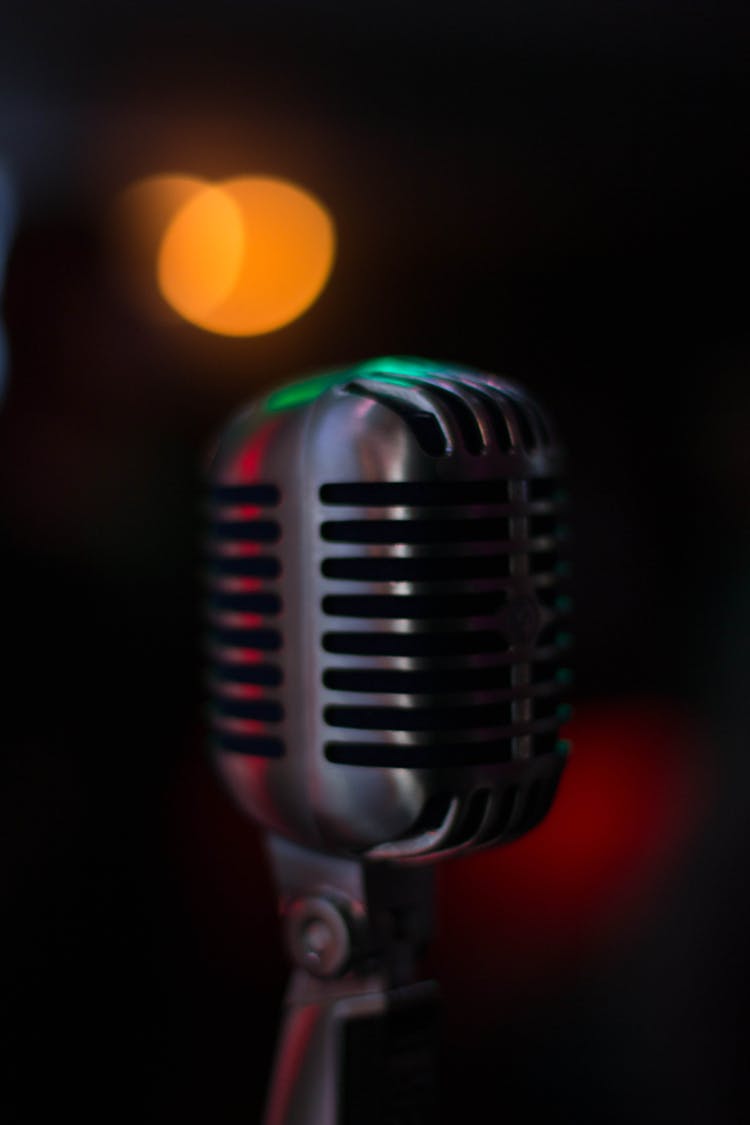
[387, 612]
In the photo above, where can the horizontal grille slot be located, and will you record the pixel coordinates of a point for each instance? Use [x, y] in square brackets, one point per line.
[244, 566]
[419, 682]
[383, 494]
[264, 639]
[416, 531]
[418, 757]
[255, 531]
[245, 603]
[553, 599]
[545, 488]
[549, 708]
[420, 718]
[264, 494]
[255, 745]
[543, 671]
[424, 569]
[545, 524]
[414, 644]
[414, 605]
[553, 634]
[543, 562]
[267, 710]
[546, 743]
[267, 675]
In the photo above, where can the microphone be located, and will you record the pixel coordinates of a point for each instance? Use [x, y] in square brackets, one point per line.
[387, 642]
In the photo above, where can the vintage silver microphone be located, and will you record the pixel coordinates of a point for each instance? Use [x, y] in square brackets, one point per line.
[388, 626]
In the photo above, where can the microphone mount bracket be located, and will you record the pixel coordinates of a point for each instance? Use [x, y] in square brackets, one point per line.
[343, 915]
[354, 931]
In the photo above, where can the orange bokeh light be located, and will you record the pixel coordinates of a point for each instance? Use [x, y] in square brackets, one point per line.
[200, 254]
[239, 258]
[141, 214]
[247, 256]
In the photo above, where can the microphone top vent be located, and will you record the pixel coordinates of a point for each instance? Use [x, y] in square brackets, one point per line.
[446, 407]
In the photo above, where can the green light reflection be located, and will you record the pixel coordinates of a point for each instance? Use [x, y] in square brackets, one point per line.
[396, 370]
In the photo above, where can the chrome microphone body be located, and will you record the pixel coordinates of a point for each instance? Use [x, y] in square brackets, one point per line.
[387, 636]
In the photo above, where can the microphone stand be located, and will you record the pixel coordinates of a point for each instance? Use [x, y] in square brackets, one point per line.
[357, 1044]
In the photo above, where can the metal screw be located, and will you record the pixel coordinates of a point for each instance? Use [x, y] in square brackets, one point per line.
[316, 939]
[318, 936]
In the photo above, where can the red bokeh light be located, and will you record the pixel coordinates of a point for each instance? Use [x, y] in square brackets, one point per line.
[634, 793]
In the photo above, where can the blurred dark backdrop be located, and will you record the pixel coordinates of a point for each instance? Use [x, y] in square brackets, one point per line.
[558, 193]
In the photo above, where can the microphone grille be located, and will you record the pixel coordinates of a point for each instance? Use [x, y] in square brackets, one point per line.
[459, 616]
[244, 637]
[388, 611]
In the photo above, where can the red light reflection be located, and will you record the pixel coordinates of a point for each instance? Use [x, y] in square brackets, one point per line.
[633, 795]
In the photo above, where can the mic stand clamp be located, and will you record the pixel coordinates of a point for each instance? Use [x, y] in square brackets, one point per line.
[358, 1041]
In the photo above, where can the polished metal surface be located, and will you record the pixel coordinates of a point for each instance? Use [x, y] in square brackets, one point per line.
[387, 618]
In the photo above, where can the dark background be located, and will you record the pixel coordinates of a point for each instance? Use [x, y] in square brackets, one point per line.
[555, 192]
